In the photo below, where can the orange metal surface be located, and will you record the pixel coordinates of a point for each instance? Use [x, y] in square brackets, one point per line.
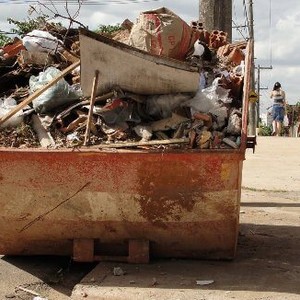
[185, 203]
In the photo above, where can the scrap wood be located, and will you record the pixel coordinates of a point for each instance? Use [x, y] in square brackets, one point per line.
[45, 138]
[92, 102]
[82, 118]
[27, 291]
[12, 49]
[145, 143]
[38, 93]
[86, 102]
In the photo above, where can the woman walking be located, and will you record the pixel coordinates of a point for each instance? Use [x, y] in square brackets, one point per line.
[279, 102]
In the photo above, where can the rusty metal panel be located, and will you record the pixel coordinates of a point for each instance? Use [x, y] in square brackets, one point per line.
[185, 203]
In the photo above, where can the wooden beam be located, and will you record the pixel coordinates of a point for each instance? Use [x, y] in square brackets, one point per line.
[90, 115]
[145, 143]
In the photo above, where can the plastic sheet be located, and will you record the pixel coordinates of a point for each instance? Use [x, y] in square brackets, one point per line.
[6, 105]
[57, 95]
[43, 41]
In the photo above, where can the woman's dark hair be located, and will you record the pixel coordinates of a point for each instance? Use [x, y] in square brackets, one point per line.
[277, 85]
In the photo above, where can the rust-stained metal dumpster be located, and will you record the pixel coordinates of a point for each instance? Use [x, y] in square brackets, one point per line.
[124, 205]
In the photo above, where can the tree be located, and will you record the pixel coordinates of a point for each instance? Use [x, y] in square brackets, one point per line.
[4, 39]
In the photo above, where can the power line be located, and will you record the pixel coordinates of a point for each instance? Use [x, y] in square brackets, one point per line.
[76, 2]
[270, 26]
[242, 29]
[247, 23]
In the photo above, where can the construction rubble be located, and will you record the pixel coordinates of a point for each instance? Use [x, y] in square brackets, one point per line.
[61, 116]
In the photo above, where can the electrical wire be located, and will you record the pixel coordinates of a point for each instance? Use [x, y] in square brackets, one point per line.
[240, 28]
[247, 23]
[270, 26]
[76, 2]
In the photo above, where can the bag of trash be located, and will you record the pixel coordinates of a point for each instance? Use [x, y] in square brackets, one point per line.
[211, 100]
[161, 106]
[6, 105]
[41, 41]
[118, 111]
[217, 93]
[162, 32]
[59, 94]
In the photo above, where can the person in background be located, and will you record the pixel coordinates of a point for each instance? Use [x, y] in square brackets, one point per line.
[279, 103]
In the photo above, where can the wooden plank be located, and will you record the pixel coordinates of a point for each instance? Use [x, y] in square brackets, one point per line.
[38, 92]
[45, 138]
[90, 115]
[145, 143]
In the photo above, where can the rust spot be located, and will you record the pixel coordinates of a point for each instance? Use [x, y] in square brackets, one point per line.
[109, 228]
[164, 196]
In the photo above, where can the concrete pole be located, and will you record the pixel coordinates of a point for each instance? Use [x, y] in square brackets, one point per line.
[252, 105]
[216, 15]
[258, 95]
[259, 88]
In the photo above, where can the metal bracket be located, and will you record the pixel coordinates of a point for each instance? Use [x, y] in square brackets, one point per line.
[138, 252]
[251, 142]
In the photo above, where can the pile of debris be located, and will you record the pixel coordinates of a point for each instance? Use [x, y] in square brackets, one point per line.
[61, 116]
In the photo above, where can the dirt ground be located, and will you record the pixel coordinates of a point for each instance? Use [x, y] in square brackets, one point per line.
[267, 265]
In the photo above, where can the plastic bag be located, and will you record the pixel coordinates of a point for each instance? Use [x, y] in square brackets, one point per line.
[57, 95]
[118, 111]
[161, 106]
[211, 100]
[43, 41]
[6, 105]
[217, 93]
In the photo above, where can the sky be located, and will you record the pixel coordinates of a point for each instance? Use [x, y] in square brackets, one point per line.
[276, 30]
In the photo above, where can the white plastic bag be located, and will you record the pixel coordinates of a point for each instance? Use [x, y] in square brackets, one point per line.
[217, 93]
[42, 41]
[6, 105]
[57, 95]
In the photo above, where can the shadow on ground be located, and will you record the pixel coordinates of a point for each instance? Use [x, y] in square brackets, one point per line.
[59, 273]
[267, 260]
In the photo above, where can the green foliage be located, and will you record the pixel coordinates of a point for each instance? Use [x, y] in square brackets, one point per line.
[265, 130]
[26, 26]
[4, 39]
[108, 29]
[23, 27]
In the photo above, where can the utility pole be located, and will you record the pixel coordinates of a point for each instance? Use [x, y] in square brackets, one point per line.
[216, 15]
[252, 105]
[259, 88]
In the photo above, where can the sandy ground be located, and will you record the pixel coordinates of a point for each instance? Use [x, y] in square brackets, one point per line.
[274, 166]
[267, 265]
